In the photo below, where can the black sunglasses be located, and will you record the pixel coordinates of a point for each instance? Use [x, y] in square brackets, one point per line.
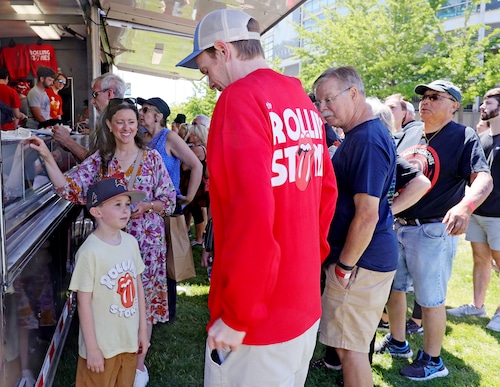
[435, 97]
[96, 93]
[118, 101]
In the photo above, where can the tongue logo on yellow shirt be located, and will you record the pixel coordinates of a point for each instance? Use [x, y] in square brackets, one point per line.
[126, 290]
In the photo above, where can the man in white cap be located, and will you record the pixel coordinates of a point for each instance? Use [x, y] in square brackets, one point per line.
[272, 193]
[451, 156]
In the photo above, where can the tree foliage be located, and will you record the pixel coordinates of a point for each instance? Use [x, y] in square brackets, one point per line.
[466, 58]
[395, 45]
[386, 41]
[202, 102]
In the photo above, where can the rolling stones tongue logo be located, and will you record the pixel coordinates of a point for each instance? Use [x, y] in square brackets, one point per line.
[304, 159]
[126, 290]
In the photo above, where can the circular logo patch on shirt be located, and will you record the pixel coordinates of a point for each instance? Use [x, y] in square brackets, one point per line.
[425, 159]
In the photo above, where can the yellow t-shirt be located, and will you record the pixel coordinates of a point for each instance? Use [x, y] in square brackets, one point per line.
[110, 274]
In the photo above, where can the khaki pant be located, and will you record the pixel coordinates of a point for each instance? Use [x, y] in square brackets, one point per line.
[278, 365]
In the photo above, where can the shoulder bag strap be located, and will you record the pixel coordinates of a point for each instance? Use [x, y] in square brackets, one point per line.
[134, 172]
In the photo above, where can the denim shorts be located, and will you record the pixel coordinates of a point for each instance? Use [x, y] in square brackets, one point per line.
[426, 255]
[484, 229]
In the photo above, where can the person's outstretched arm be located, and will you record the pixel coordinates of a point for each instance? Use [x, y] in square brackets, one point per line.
[55, 175]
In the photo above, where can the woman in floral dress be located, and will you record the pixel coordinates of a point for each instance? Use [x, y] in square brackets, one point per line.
[118, 152]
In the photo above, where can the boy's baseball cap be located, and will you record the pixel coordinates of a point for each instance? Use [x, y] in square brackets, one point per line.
[410, 107]
[442, 86]
[109, 188]
[223, 24]
[158, 103]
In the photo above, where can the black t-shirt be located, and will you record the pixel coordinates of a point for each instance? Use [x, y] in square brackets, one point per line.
[448, 161]
[405, 172]
[491, 146]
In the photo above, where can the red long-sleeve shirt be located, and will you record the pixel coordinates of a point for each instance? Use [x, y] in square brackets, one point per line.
[273, 194]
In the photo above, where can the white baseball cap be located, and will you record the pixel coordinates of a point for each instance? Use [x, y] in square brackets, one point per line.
[223, 24]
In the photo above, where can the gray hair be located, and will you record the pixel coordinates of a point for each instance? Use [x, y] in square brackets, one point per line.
[381, 111]
[112, 82]
[346, 75]
[204, 120]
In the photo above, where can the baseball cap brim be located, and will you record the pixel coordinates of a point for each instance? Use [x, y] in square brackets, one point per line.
[190, 61]
[421, 89]
[135, 197]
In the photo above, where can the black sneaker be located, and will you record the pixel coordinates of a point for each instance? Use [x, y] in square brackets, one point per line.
[412, 327]
[383, 326]
[321, 364]
[423, 368]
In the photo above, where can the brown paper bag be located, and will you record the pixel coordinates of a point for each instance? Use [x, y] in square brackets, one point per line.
[180, 263]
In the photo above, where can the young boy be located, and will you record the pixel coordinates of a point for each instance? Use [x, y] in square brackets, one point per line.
[111, 303]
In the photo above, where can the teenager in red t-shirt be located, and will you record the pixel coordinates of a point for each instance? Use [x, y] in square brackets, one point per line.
[56, 109]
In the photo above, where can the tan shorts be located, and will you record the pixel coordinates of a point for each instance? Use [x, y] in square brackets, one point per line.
[350, 316]
[118, 371]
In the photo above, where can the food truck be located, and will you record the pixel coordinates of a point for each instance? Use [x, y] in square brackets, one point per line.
[39, 231]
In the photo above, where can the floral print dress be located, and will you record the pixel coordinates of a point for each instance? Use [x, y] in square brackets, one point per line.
[153, 179]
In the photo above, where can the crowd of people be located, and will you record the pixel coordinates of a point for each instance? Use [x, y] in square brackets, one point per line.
[349, 201]
[34, 107]
[406, 190]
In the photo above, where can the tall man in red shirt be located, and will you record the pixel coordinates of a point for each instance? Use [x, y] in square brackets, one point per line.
[273, 193]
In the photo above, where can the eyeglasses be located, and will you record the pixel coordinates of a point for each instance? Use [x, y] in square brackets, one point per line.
[64, 83]
[435, 97]
[329, 101]
[118, 101]
[96, 93]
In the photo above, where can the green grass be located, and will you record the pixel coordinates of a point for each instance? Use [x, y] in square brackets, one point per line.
[176, 357]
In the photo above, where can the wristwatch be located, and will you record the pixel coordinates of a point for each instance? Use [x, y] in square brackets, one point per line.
[151, 209]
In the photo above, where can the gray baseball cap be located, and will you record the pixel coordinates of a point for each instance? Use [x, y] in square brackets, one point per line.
[442, 86]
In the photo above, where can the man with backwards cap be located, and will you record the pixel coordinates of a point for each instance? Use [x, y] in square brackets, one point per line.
[451, 156]
[272, 193]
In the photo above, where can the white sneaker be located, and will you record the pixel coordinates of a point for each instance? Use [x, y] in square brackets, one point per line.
[27, 380]
[467, 310]
[141, 378]
[494, 324]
